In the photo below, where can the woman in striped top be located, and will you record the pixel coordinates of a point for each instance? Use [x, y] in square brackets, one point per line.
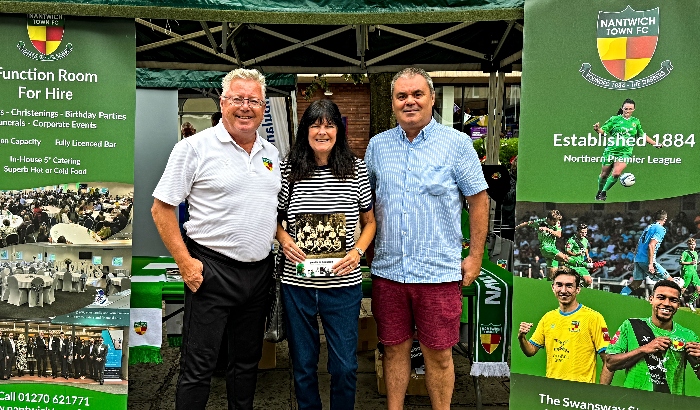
[325, 193]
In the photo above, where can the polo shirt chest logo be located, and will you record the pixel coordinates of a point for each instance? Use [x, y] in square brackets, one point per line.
[268, 164]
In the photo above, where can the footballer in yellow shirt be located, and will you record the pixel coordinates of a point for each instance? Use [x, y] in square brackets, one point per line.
[571, 335]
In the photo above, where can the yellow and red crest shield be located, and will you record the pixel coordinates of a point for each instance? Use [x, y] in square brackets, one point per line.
[627, 40]
[140, 328]
[490, 341]
[45, 32]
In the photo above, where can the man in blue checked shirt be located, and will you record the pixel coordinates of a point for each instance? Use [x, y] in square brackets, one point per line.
[418, 171]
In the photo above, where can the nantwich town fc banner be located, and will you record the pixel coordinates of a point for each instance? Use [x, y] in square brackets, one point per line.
[581, 61]
[67, 106]
[68, 100]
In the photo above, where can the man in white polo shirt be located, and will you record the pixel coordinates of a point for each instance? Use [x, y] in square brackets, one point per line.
[230, 177]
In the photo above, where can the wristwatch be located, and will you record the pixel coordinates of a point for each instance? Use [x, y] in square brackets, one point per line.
[360, 251]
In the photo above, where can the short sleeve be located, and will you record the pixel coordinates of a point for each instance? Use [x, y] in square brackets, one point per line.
[659, 233]
[569, 245]
[364, 191]
[369, 166]
[282, 196]
[609, 124]
[640, 131]
[468, 173]
[600, 335]
[537, 338]
[177, 179]
[685, 257]
[620, 341]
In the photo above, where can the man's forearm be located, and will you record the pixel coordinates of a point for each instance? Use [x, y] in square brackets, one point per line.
[528, 348]
[623, 360]
[169, 230]
[478, 223]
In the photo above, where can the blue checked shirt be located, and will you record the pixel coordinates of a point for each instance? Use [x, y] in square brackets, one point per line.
[418, 208]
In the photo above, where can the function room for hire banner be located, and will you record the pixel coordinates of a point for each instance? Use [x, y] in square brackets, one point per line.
[67, 108]
[580, 63]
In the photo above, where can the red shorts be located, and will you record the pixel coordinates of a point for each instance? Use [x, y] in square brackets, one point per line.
[434, 309]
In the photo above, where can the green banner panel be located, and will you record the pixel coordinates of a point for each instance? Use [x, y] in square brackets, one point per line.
[40, 396]
[68, 100]
[581, 60]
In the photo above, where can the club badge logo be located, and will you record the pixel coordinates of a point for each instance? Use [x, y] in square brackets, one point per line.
[140, 328]
[267, 163]
[626, 43]
[45, 32]
[575, 326]
[490, 337]
[677, 344]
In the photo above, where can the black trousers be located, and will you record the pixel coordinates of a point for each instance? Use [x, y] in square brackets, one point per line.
[232, 302]
[41, 364]
[55, 358]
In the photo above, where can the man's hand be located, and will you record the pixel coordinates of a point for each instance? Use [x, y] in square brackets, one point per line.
[652, 268]
[693, 349]
[524, 329]
[658, 345]
[471, 267]
[191, 271]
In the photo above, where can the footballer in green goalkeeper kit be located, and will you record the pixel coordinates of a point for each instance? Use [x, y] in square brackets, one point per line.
[691, 282]
[655, 351]
[579, 258]
[623, 128]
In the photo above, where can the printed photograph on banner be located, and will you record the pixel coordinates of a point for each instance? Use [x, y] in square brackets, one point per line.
[64, 352]
[560, 345]
[611, 245]
[600, 106]
[64, 248]
[322, 238]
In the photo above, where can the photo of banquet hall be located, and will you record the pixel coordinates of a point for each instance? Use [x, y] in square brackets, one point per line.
[93, 357]
[63, 247]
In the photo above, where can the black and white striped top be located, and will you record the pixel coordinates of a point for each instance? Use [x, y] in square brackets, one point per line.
[325, 194]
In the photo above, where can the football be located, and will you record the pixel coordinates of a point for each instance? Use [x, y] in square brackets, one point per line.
[627, 179]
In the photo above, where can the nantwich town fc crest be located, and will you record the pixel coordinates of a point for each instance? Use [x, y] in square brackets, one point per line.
[45, 33]
[626, 43]
[490, 336]
[140, 327]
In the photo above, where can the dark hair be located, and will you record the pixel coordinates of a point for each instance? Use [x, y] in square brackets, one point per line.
[567, 271]
[627, 101]
[667, 283]
[301, 160]
[582, 226]
[215, 118]
[660, 214]
[61, 239]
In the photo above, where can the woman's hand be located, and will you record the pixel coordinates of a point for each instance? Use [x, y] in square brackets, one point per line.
[347, 264]
[292, 252]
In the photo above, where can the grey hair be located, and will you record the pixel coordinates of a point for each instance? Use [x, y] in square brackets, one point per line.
[244, 74]
[411, 72]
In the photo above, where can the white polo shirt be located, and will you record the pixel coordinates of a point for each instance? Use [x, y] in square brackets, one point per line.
[232, 195]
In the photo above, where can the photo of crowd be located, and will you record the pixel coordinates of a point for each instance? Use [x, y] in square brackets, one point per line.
[612, 240]
[38, 351]
[63, 248]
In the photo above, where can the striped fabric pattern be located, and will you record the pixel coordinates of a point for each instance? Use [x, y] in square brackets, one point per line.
[232, 195]
[418, 208]
[325, 194]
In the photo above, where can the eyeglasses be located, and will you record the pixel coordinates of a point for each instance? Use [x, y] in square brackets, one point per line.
[238, 102]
